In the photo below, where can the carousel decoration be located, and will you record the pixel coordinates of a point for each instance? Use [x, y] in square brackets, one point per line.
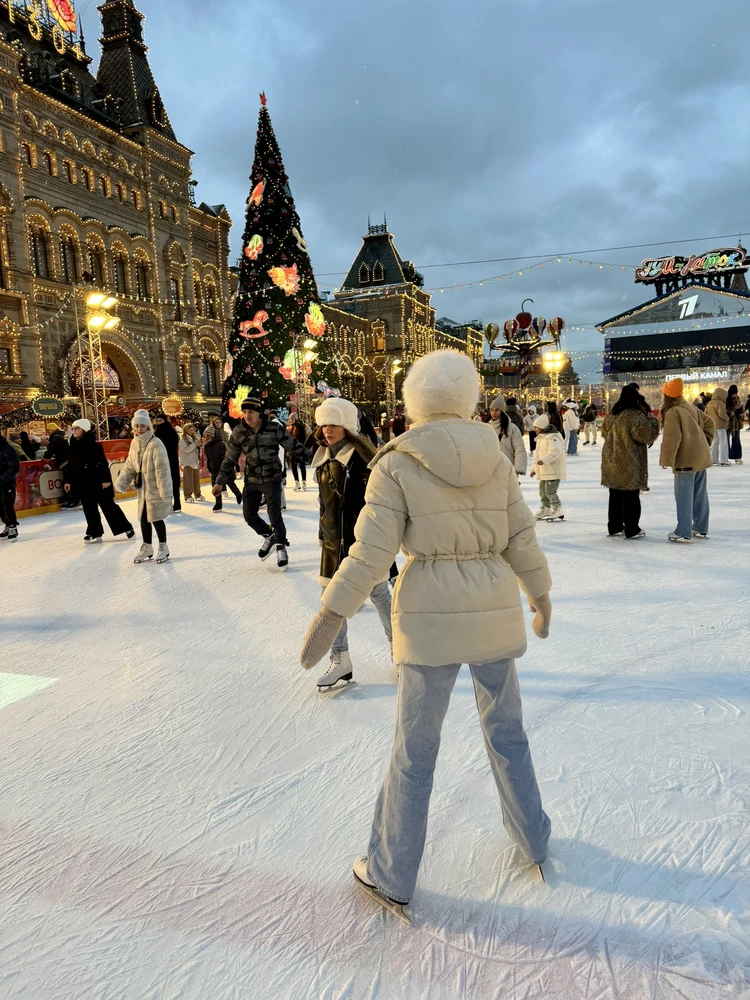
[524, 340]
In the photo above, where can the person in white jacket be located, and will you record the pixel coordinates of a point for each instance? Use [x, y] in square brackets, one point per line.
[511, 439]
[572, 425]
[528, 422]
[147, 467]
[446, 496]
[549, 468]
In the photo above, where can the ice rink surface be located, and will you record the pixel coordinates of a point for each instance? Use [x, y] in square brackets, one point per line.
[180, 808]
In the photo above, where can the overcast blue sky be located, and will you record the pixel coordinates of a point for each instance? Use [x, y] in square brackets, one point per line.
[484, 130]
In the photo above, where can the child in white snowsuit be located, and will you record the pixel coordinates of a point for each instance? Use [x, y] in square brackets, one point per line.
[549, 468]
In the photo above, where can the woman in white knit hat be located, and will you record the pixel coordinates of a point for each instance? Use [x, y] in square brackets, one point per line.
[147, 466]
[341, 468]
[445, 495]
[91, 480]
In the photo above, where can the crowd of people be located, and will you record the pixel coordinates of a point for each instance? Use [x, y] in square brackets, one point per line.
[439, 484]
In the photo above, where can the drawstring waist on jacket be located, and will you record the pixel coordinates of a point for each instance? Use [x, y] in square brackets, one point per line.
[455, 557]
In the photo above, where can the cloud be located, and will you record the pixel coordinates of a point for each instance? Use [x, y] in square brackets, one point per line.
[484, 130]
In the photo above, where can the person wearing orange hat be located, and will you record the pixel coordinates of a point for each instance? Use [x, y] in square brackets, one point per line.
[686, 448]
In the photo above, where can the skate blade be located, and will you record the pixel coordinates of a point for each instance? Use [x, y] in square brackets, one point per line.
[348, 679]
[397, 909]
[541, 872]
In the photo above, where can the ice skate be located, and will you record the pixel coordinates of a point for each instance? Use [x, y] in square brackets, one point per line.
[145, 553]
[4, 533]
[282, 557]
[13, 534]
[304, 487]
[393, 905]
[641, 534]
[163, 554]
[189, 500]
[674, 537]
[700, 534]
[217, 507]
[200, 498]
[554, 514]
[90, 540]
[130, 534]
[340, 669]
[297, 487]
[267, 547]
[616, 534]
[540, 514]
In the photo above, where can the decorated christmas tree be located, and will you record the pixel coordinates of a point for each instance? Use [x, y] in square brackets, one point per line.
[278, 346]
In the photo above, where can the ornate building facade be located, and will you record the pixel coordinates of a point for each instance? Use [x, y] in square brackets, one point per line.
[381, 315]
[96, 188]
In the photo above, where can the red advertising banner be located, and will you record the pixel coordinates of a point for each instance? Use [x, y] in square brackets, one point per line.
[39, 485]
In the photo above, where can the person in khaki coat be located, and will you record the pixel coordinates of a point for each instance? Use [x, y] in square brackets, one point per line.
[147, 466]
[446, 496]
[717, 411]
[685, 448]
[628, 431]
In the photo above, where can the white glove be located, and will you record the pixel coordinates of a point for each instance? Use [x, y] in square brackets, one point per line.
[543, 608]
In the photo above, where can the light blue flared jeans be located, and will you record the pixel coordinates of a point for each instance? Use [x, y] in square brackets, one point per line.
[399, 827]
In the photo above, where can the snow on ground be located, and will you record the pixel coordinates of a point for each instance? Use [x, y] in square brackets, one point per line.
[180, 808]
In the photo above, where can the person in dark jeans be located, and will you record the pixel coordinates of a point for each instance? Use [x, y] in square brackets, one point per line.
[92, 480]
[299, 467]
[215, 449]
[169, 437]
[260, 438]
[9, 466]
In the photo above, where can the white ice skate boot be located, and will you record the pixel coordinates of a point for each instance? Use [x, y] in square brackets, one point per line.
[282, 557]
[340, 669]
[541, 513]
[359, 870]
[163, 554]
[304, 487]
[554, 514]
[297, 487]
[145, 553]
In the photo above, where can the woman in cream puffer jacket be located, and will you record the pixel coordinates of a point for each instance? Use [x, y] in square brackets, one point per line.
[147, 463]
[446, 496]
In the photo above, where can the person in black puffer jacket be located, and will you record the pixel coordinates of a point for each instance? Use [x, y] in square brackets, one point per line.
[9, 466]
[341, 466]
[91, 478]
[169, 437]
[259, 439]
[215, 449]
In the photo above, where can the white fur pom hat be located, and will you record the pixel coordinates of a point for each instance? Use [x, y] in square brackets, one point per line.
[141, 417]
[340, 412]
[441, 382]
[541, 422]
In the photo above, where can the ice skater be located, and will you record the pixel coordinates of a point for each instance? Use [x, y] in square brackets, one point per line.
[341, 468]
[260, 439]
[686, 449]
[716, 409]
[190, 460]
[215, 448]
[445, 495]
[572, 425]
[628, 432]
[549, 468]
[9, 467]
[91, 479]
[147, 466]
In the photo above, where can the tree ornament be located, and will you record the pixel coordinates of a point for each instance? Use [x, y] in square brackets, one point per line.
[315, 321]
[285, 278]
[254, 248]
[256, 323]
[257, 193]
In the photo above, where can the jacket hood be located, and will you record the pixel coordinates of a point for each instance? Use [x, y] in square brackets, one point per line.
[460, 452]
[720, 394]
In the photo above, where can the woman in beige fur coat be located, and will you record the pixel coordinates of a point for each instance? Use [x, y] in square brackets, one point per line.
[446, 496]
[147, 467]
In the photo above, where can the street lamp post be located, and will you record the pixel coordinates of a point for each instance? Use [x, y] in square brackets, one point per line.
[554, 362]
[98, 317]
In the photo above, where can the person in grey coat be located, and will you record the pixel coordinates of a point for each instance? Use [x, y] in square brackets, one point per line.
[511, 439]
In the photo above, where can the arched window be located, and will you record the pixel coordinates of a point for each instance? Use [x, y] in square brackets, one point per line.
[49, 163]
[210, 368]
[210, 301]
[121, 274]
[88, 179]
[28, 153]
[377, 271]
[364, 274]
[175, 214]
[96, 265]
[198, 297]
[162, 208]
[104, 186]
[143, 280]
[69, 260]
[137, 199]
[70, 172]
[39, 248]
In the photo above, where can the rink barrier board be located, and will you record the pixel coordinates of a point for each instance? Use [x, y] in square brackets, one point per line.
[39, 484]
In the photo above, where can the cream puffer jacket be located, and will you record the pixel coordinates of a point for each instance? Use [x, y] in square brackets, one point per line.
[445, 495]
[549, 457]
[149, 455]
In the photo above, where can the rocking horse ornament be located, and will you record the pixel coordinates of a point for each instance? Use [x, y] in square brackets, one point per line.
[523, 337]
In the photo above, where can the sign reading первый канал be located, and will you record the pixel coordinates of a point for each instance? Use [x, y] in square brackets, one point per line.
[714, 262]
